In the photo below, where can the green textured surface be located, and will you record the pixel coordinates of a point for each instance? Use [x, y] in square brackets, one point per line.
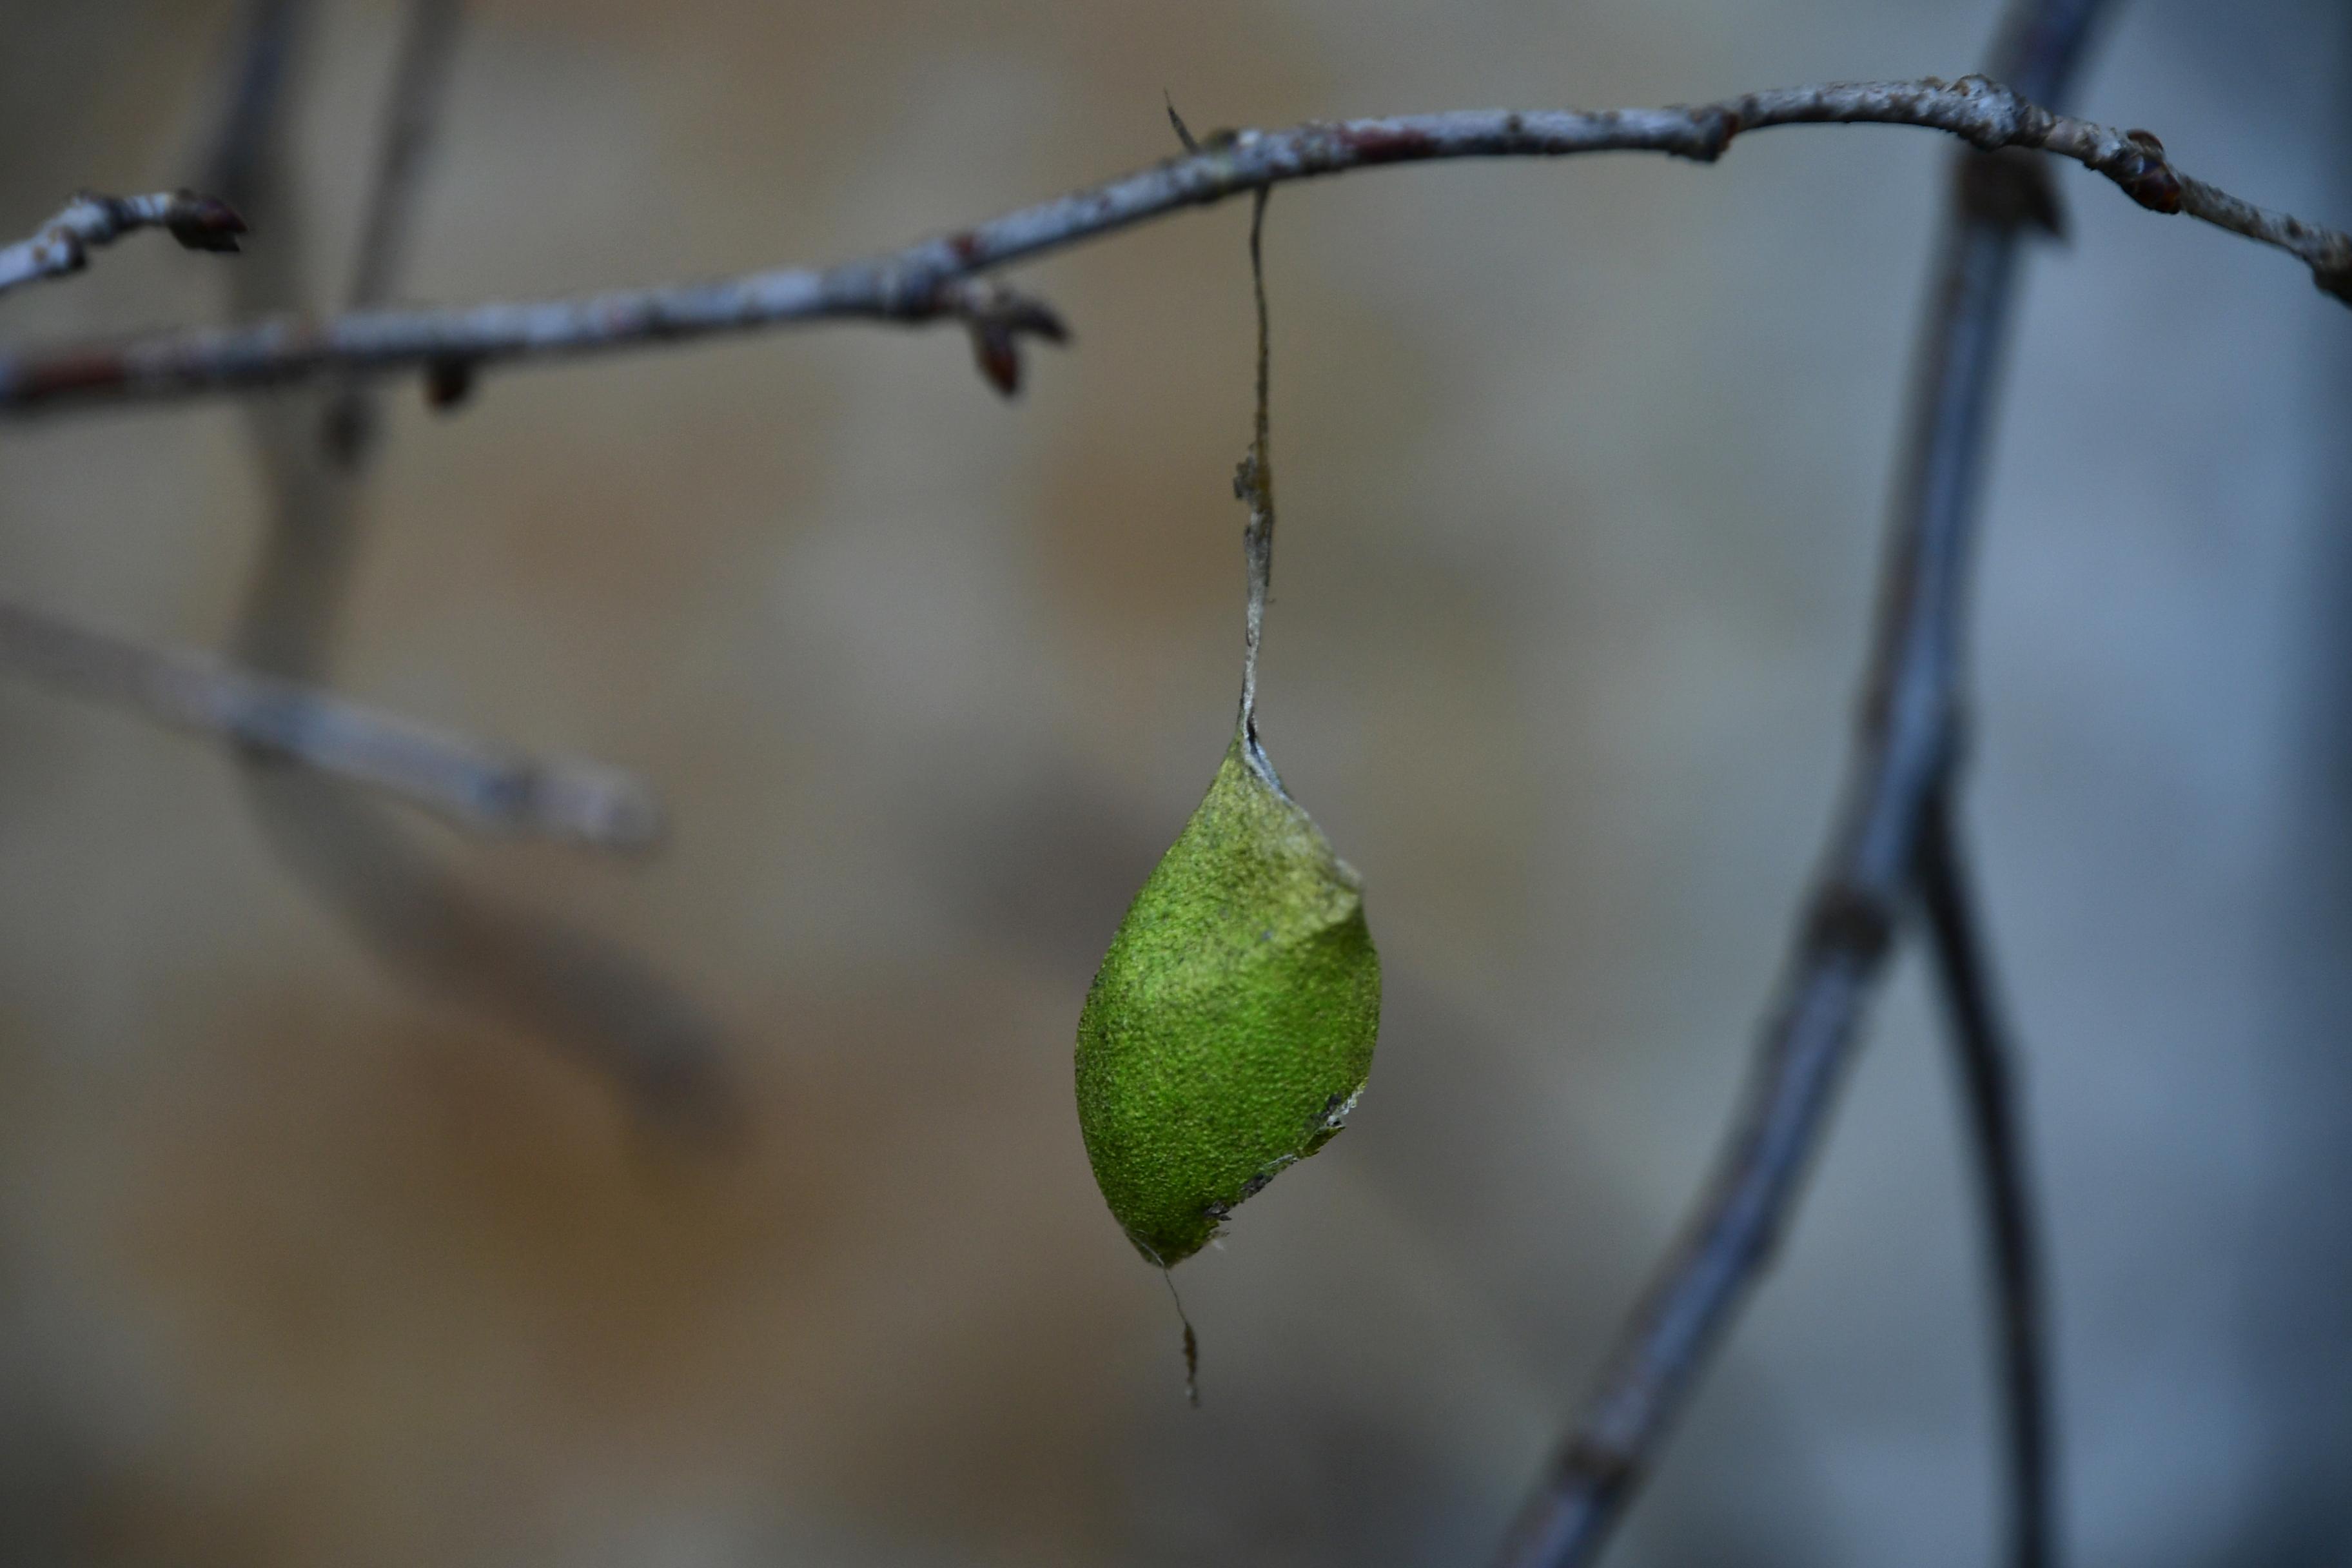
[1232, 1023]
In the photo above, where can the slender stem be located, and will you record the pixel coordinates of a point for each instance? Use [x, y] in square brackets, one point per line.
[1902, 758]
[1254, 483]
[268, 34]
[926, 281]
[1988, 1081]
[1191, 1340]
[428, 49]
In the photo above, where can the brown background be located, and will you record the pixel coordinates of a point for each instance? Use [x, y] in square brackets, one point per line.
[1582, 471]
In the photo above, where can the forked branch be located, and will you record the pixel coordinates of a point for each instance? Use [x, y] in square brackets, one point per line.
[930, 281]
[1990, 1096]
[1892, 844]
[563, 982]
[1901, 768]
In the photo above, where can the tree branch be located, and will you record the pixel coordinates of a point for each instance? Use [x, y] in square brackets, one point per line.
[1903, 758]
[927, 281]
[477, 786]
[564, 983]
[1988, 1081]
[90, 220]
[427, 50]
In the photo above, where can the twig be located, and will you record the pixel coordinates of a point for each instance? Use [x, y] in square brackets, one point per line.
[1988, 1079]
[268, 35]
[426, 52]
[477, 786]
[1903, 758]
[557, 980]
[921, 283]
[91, 219]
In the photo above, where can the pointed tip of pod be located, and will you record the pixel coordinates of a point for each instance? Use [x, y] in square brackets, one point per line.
[1231, 1027]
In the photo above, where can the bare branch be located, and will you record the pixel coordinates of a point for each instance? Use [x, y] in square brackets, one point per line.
[582, 991]
[1988, 1079]
[427, 50]
[1903, 759]
[268, 35]
[920, 283]
[479, 786]
[2326, 251]
[90, 220]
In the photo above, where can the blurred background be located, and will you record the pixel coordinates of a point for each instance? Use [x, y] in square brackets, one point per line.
[316, 1246]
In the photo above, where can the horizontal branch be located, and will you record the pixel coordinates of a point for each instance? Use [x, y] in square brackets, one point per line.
[475, 786]
[64, 243]
[932, 279]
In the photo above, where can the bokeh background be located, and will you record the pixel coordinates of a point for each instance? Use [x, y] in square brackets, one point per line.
[1583, 466]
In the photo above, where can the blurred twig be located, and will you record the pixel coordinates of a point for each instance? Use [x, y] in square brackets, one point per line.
[267, 39]
[567, 985]
[92, 220]
[277, 721]
[1902, 765]
[931, 279]
[417, 80]
[1988, 1080]
[474, 785]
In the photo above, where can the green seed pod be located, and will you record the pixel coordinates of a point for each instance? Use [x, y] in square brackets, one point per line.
[1231, 1026]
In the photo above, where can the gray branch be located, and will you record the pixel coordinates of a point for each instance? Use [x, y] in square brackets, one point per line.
[935, 278]
[1989, 1093]
[1903, 759]
[90, 220]
[475, 785]
[563, 982]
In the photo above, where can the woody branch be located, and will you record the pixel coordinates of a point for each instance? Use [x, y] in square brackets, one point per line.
[938, 278]
[482, 787]
[1892, 844]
